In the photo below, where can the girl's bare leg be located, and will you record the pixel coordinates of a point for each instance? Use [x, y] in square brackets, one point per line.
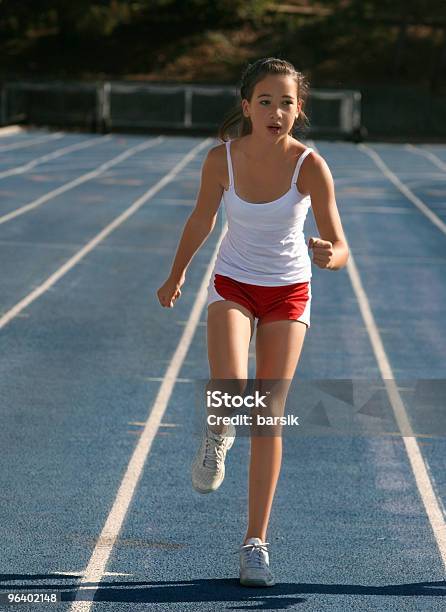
[278, 348]
[229, 330]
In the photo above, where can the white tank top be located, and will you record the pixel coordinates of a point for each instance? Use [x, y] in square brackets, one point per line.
[265, 244]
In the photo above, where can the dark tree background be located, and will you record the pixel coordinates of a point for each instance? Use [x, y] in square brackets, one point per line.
[335, 42]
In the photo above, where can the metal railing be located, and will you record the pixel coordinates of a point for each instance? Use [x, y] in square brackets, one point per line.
[109, 105]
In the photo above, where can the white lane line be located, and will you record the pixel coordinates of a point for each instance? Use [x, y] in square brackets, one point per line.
[71, 246]
[176, 202]
[11, 129]
[98, 561]
[81, 179]
[160, 379]
[91, 142]
[77, 574]
[31, 142]
[403, 188]
[419, 467]
[431, 156]
[358, 178]
[51, 280]
[379, 209]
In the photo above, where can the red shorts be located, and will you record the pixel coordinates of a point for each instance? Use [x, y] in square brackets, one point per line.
[284, 302]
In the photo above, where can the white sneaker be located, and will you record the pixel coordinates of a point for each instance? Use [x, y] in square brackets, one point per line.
[208, 468]
[254, 564]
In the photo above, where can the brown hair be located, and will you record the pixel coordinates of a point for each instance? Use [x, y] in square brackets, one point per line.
[235, 124]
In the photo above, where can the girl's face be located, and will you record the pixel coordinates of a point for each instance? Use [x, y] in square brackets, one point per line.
[274, 101]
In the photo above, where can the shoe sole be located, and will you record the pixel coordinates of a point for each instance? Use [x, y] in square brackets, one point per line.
[204, 491]
[256, 583]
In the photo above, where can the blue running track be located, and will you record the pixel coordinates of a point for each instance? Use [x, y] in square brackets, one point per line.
[99, 385]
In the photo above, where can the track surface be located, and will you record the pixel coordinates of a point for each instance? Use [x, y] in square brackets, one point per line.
[96, 377]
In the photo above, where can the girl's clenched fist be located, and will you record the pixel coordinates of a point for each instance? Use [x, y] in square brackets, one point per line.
[170, 291]
[323, 252]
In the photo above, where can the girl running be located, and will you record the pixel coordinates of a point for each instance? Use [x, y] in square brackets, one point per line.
[267, 180]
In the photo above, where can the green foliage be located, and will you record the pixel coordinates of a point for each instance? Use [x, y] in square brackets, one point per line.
[340, 40]
[101, 17]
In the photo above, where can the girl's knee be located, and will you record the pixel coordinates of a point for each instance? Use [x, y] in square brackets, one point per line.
[232, 384]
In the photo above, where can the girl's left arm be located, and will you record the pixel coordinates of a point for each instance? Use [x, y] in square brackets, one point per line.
[330, 251]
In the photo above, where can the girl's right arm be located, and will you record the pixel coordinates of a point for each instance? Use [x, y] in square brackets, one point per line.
[197, 228]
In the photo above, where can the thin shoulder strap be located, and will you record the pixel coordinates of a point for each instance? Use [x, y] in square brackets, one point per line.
[228, 155]
[299, 164]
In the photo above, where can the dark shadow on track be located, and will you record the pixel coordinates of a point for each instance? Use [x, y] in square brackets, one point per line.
[282, 596]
